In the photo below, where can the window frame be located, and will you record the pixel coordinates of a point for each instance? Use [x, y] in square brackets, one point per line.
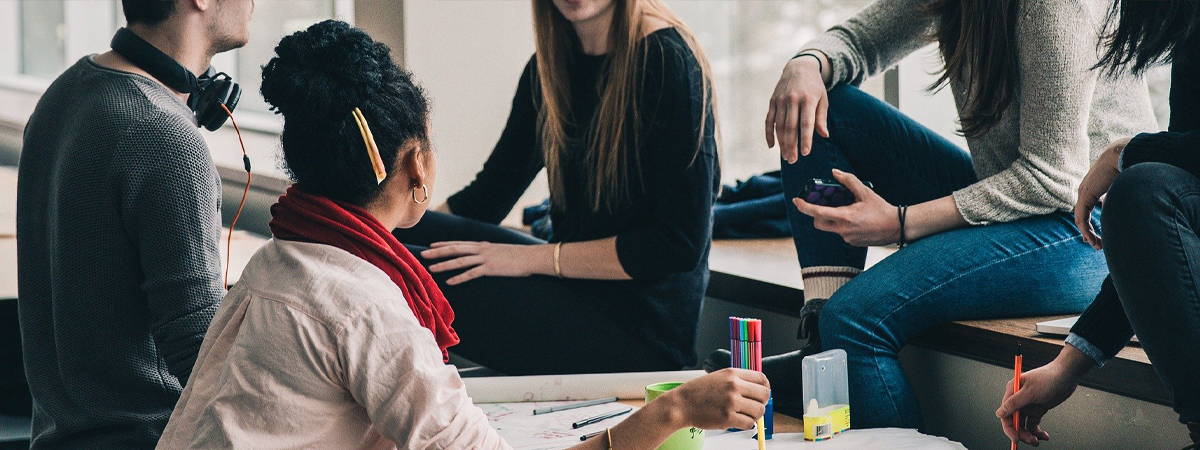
[261, 129]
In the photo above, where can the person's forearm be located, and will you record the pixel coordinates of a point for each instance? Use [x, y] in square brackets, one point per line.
[932, 217]
[825, 66]
[645, 429]
[1073, 362]
[592, 260]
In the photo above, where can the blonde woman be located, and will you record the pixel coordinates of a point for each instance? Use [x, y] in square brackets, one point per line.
[616, 105]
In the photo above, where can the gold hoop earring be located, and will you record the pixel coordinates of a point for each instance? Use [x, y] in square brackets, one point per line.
[424, 189]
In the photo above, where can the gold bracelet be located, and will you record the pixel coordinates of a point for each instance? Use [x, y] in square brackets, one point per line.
[608, 432]
[557, 264]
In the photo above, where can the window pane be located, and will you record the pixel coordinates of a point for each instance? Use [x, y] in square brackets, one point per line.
[43, 37]
[747, 44]
[273, 19]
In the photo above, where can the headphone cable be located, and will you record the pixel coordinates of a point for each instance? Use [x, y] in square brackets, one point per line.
[245, 192]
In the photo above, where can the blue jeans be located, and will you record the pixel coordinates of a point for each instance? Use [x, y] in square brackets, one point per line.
[1029, 267]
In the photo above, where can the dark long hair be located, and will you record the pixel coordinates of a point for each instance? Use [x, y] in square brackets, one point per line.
[977, 39]
[1142, 33]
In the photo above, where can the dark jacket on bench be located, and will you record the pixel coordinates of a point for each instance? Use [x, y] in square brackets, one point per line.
[1103, 325]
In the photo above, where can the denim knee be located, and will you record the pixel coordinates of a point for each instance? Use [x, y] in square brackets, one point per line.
[849, 101]
[844, 319]
[1145, 191]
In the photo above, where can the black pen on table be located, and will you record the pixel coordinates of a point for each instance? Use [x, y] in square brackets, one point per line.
[592, 435]
[602, 417]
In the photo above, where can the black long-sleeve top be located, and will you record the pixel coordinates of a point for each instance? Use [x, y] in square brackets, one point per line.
[1104, 326]
[662, 233]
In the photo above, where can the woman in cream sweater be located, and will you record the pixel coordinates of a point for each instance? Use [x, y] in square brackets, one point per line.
[985, 231]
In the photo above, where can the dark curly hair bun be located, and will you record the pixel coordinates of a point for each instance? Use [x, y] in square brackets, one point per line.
[316, 78]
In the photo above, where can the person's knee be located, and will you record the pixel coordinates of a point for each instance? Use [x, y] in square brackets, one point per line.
[1143, 191]
[842, 320]
[846, 100]
[847, 94]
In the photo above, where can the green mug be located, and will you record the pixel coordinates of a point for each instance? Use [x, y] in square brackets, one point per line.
[690, 438]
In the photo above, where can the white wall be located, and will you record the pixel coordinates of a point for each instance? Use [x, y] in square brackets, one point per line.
[468, 55]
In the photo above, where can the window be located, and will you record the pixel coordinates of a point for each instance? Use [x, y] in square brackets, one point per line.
[43, 37]
[273, 19]
[747, 44]
[50, 35]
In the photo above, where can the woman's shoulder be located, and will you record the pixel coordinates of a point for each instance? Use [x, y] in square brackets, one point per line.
[668, 41]
[669, 57]
[325, 282]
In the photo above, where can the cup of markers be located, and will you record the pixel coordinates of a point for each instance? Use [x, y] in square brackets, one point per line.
[745, 349]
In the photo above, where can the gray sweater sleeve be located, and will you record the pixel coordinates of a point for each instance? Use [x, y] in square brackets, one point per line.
[1056, 45]
[169, 198]
[874, 39]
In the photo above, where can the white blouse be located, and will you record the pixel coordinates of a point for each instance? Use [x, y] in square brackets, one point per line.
[317, 348]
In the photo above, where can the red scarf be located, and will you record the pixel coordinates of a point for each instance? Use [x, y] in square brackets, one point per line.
[304, 217]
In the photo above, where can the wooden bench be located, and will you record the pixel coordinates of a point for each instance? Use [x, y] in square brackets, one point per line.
[764, 274]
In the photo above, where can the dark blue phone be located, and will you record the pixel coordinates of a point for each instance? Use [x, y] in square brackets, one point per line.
[826, 192]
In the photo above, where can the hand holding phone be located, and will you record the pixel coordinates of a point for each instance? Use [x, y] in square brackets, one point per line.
[826, 192]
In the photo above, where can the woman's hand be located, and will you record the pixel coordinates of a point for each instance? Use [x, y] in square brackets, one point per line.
[869, 221]
[728, 398]
[1095, 184]
[800, 99]
[487, 259]
[1042, 389]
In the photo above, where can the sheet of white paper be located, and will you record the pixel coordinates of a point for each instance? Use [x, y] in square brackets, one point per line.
[881, 438]
[525, 431]
[570, 387]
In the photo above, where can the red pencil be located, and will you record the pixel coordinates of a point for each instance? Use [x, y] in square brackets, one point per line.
[1017, 387]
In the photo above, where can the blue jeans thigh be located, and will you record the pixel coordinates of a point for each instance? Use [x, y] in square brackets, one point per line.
[1030, 267]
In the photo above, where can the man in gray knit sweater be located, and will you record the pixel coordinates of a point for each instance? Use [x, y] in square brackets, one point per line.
[118, 223]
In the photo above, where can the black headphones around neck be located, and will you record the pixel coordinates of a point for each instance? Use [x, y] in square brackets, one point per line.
[208, 91]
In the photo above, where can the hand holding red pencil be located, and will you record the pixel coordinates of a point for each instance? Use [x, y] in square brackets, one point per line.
[1041, 389]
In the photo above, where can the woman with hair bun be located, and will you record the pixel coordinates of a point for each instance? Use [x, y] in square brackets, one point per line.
[336, 336]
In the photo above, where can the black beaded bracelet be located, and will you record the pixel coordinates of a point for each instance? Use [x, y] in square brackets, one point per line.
[902, 213]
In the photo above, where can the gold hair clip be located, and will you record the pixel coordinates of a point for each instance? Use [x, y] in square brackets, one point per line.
[369, 140]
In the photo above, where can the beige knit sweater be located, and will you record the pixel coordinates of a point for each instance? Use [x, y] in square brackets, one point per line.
[1032, 161]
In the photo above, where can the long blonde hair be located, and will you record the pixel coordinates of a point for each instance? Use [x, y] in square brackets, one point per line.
[612, 141]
